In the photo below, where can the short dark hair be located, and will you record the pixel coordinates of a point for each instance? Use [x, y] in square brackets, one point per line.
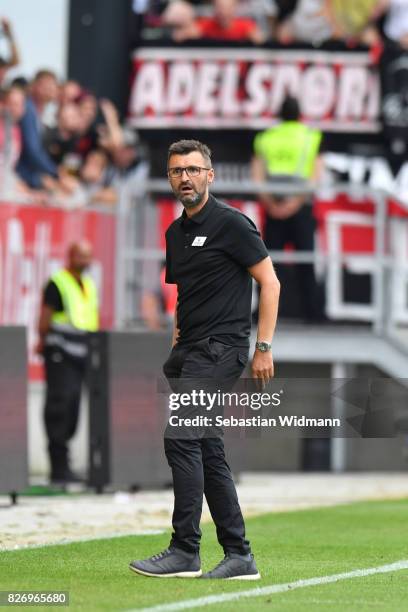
[4, 93]
[290, 110]
[20, 82]
[44, 73]
[183, 147]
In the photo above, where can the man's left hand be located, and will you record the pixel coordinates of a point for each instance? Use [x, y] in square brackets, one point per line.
[262, 366]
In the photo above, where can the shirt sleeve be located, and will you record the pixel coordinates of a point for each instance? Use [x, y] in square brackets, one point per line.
[168, 277]
[33, 149]
[204, 26]
[244, 242]
[52, 297]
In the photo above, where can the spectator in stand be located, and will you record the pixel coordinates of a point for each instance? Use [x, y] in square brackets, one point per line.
[88, 108]
[355, 20]
[93, 186]
[12, 108]
[127, 157]
[62, 140]
[35, 165]
[14, 58]
[227, 25]
[315, 21]
[96, 180]
[70, 91]
[179, 19]
[309, 21]
[266, 13]
[22, 83]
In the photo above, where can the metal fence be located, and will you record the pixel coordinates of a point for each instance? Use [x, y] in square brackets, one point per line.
[139, 255]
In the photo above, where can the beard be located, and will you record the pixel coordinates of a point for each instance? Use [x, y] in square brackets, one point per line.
[192, 199]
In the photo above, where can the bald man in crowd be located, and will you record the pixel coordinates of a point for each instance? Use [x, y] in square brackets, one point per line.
[69, 312]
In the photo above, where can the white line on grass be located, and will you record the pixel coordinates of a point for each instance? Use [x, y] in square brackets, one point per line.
[64, 541]
[275, 588]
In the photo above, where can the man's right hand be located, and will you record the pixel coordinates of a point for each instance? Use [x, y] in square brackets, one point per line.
[285, 209]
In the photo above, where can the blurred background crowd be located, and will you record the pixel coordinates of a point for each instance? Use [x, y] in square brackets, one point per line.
[62, 144]
[284, 21]
[58, 142]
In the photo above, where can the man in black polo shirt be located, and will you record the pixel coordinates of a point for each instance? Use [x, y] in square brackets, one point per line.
[212, 253]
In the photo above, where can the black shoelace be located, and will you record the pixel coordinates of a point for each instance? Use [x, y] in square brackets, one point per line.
[222, 562]
[161, 555]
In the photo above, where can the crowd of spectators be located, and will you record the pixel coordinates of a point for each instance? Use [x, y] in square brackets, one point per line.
[58, 143]
[283, 21]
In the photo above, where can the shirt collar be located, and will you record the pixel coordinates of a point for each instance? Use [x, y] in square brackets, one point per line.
[202, 215]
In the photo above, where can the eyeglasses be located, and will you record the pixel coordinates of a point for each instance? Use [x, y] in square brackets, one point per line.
[191, 171]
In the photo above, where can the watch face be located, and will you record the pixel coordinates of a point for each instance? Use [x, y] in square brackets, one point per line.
[263, 346]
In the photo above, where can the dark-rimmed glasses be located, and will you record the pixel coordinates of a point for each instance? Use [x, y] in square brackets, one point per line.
[191, 171]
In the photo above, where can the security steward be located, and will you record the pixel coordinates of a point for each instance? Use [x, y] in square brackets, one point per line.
[289, 152]
[213, 252]
[69, 311]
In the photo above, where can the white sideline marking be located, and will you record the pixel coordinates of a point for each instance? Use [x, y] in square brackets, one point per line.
[275, 588]
[65, 541]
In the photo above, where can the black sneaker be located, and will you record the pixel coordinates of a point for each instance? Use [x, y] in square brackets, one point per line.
[171, 563]
[235, 567]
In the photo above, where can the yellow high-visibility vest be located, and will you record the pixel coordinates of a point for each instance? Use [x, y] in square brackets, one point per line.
[290, 148]
[80, 304]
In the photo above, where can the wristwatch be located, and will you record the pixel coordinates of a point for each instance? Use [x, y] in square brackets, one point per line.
[264, 347]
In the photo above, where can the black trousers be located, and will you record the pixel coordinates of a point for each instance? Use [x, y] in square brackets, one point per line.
[299, 230]
[64, 378]
[199, 465]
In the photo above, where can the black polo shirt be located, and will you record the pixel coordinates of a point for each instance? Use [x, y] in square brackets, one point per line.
[207, 256]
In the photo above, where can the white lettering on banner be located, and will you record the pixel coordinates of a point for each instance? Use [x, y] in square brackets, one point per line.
[229, 87]
[319, 92]
[207, 82]
[149, 90]
[287, 79]
[181, 87]
[352, 93]
[234, 88]
[373, 172]
[257, 101]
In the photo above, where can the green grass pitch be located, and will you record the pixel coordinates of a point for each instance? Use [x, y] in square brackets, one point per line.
[288, 546]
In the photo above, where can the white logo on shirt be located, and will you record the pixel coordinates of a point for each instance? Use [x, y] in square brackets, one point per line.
[199, 240]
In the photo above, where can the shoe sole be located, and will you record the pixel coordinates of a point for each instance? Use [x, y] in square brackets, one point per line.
[245, 577]
[195, 574]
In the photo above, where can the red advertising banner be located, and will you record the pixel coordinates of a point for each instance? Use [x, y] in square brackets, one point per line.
[33, 245]
[213, 88]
